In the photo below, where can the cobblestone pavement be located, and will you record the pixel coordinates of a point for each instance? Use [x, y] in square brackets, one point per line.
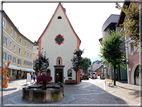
[92, 91]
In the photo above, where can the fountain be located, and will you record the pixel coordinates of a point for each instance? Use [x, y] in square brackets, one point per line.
[36, 93]
[45, 92]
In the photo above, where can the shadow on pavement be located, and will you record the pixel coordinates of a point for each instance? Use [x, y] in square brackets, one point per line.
[81, 93]
[136, 93]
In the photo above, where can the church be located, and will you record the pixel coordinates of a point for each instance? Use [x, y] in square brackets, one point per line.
[59, 41]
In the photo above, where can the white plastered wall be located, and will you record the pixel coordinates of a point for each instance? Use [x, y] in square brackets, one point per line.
[65, 50]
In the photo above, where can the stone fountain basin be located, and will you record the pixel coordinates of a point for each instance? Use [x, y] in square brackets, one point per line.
[35, 93]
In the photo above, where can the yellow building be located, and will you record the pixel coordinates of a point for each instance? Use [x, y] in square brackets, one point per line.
[16, 48]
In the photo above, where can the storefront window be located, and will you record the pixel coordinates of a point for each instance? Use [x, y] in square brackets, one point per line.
[19, 74]
[9, 70]
[13, 72]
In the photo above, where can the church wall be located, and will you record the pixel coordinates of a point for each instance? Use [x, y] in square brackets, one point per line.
[65, 50]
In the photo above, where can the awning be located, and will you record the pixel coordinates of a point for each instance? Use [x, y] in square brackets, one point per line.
[10, 66]
[26, 69]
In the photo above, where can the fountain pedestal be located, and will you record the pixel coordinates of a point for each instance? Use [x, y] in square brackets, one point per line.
[35, 93]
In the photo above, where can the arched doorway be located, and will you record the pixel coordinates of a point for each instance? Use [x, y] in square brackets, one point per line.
[137, 75]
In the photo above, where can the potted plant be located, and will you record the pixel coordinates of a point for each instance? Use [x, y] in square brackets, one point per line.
[44, 79]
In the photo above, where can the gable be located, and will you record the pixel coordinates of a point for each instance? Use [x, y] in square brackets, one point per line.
[62, 12]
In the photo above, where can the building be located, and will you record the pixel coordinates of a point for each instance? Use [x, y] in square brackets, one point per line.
[95, 65]
[36, 46]
[59, 41]
[111, 24]
[16, 48]
[133, 55]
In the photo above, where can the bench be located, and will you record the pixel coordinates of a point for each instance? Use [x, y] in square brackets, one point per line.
[109, 81]
[70, 81]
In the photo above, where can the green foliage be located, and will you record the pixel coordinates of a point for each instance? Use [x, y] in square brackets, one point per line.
[86, 64]
[131, 22]
[111, 50]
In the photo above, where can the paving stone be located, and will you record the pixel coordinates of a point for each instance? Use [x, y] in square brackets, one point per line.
[86, 92]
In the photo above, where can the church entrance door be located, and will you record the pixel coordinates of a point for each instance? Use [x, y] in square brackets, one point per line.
[59, 72]
[59, 75]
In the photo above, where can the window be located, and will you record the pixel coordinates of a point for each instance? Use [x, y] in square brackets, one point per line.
[11, 31]
[9, 57]
[37, 48]
[31, 55]
[25, 52]
[27, 62]
[15, 35]
[14, 60]
[28, 45]
[25, 43]
[14, 47]
[9, 70]
[59, 39]
[10, 45]
[13, 72]
[37, 55]
[4, 23]
[131, 47]
[19, 50]
[19, 74]
[69, 73]
[5, 40]
[19, 61]
[28, 54]
[24, 62]
[59, 61]
[32, 47]
[4, 55]
[20, 40]
[59, 17]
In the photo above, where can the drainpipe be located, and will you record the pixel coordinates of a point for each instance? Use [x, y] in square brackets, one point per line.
[126, 61]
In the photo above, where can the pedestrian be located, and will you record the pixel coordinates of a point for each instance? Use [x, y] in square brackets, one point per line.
[34, 76]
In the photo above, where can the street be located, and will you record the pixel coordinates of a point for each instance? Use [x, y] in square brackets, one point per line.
[92, 91]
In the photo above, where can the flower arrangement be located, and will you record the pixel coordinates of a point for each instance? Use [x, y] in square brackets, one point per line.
[44, 78]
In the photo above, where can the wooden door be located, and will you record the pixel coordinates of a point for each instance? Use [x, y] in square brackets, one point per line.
[59, 75]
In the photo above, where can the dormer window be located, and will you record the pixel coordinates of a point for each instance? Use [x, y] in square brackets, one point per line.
[59, 17]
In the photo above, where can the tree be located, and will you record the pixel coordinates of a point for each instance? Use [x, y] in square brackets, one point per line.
[86, 64]
[77, 61]
[111, 51]
[131, 22]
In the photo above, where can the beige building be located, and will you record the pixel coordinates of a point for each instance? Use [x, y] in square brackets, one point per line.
[16, 48]
[96, 64]
[36, 46]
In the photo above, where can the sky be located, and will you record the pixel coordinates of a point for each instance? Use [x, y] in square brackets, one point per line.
[87, 20]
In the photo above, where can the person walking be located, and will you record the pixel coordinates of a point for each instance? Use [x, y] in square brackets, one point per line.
[34, 76]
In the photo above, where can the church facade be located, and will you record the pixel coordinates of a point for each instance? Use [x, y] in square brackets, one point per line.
[59, 41]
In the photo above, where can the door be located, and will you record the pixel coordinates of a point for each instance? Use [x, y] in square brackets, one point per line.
[59, 75]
